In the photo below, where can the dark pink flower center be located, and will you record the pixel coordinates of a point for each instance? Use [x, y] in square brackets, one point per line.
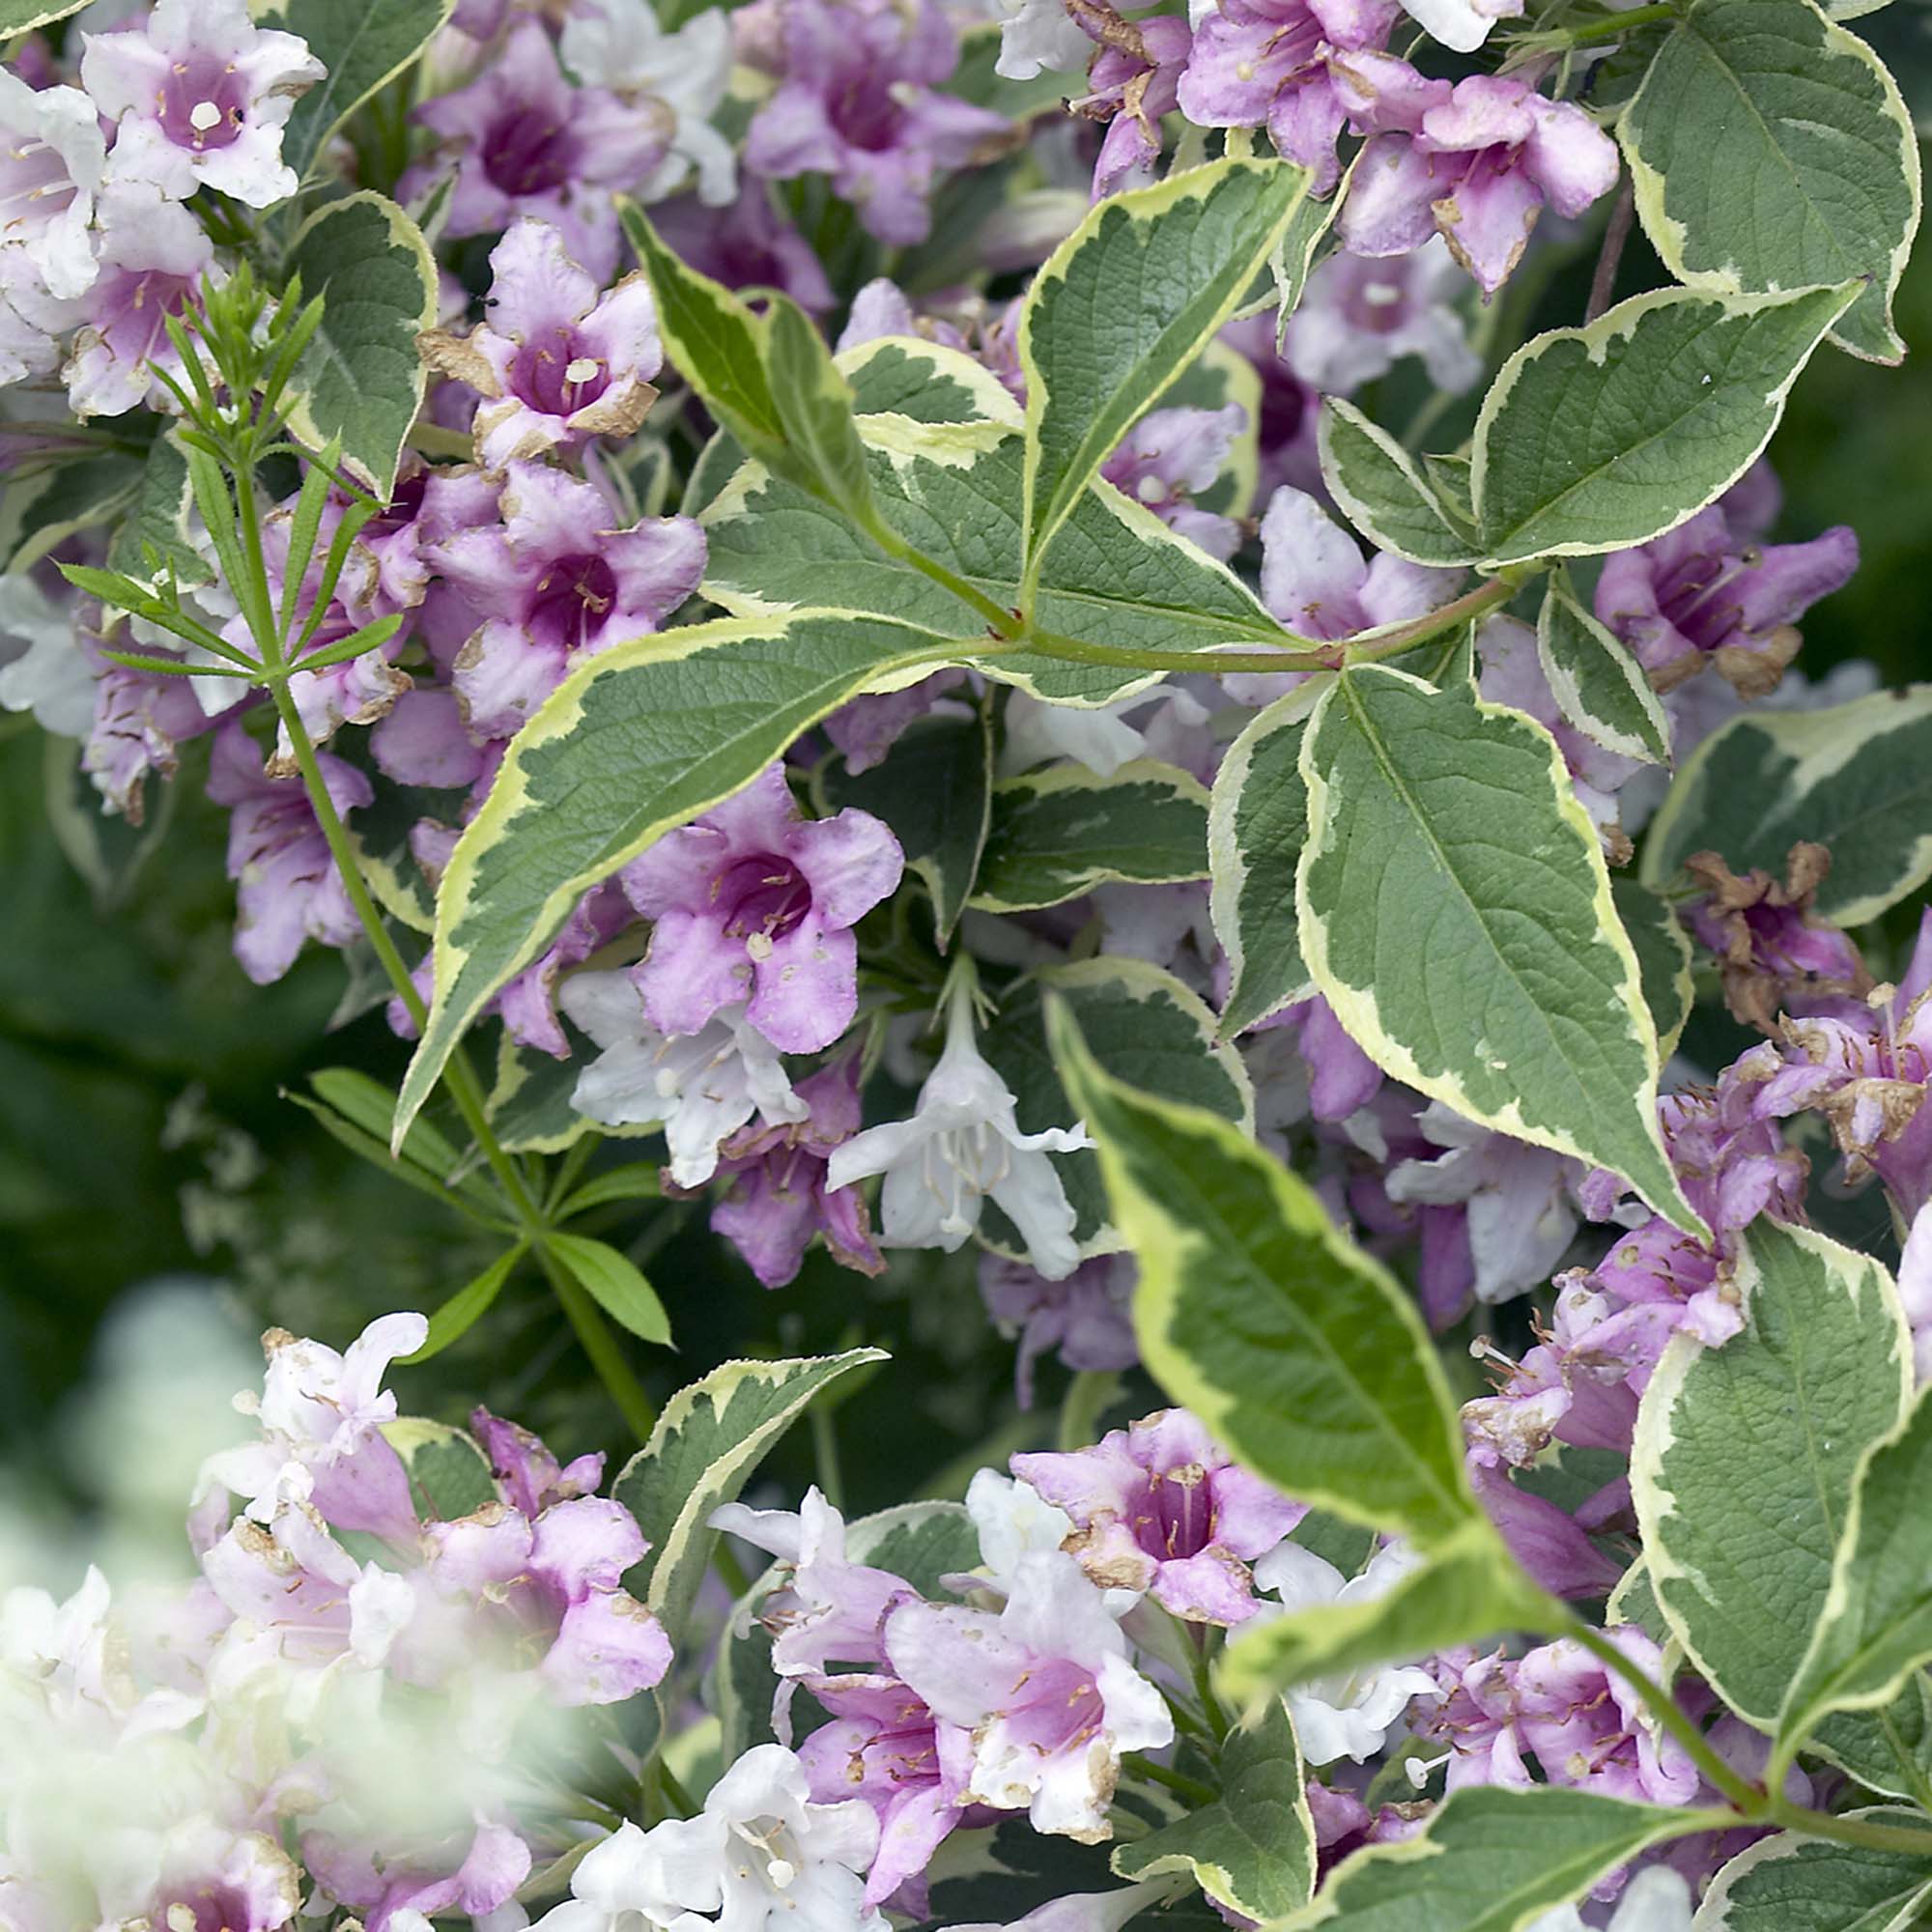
[202, 103]
[1174, 1514]
[1063, 1708]
[542, 373]
[571, 601]
[134, 306]
[215, 1907]
[405, 506]
[762, 894]
[528, 152]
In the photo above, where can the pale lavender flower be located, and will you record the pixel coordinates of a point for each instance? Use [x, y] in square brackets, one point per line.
[140, 720]
[1359, 316]
[288, 889]
[557, 586]
[200, 95]
[1160, 1507]
[1037, 37]
[527, 142]
[748, 243]
[527, 1476]
[1086, 1317]
[1476, 163]
[1169, 457]
[1044, 1690]
[1133, 81]
[1266, 62]
[867, 729]
[1914, 1291]
[50, 170]
[859, 100]
[555, 360]
[43, 667]
[476, 1869]
[754, 902]
[203, 1875]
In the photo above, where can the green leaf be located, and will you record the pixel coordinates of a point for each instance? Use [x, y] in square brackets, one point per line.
[360, 379]
[1257, 823]
[1470, 1590]
[1456, 913]
[371, 1106]
[1790, 1882]
[81, 495]
[1123, 305]
[1115, 574]
[1874, 1628]
[1887, 1749]
[448, 1473]
[1058, 833]
[704, 1448]
[641, 739]
[1663, 951]
[1490, 1860]
[1382, 491]
[1744, 1455]
[634, 1181]
[614, 1283]
[1253, 1849]
[1145, 1028]
[1599, 687]
[365, 44]
[1591, 439]
[1293, 256]
[1297, 1350]
[20, 16]
[815, 409]
[925, 381]
[464, 1309]
[1856, 779]
[160, 518]
[935, 789]
[1771, 150]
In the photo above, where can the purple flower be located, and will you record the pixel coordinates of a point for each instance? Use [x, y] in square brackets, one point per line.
[1134, 80]
[776, 1198]
[476, 1869]
[1549, 1542]
[1042, 1690]
[859, 100]
[1086, 1316]
[139, 720]
[1708, 593]
[1359, 316]
[559, 585]
[1316, 580]
[754, 903]
[867, 729]
[1476, 163]
[527, 1476]
[1914, 1291]
[200, 95]
[529, 143]
[1266, 62]
[748, 243]
[1288, 413]
[288, 890]
[1167, 457]
[1775, 953]
[50, 170]
[153, 255]
[1159, 1507]
[555, 361]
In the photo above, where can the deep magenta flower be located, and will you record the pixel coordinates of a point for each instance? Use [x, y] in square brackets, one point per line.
[754, 903]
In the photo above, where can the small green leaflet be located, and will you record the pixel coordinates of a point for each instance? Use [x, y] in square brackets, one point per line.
[1771, 150]
[1887, 1749]
[1595, 437]
[1382, 491]
[1256, 822]
[1856, 779]
[464, 1309]
[1456, 911]
[1253, 1849]
[1144, 1027]
[1127, 303]
[360, 379]
[1663, 951]
[1744, 1455]
[160, 518]
[1875, 1627]
[1469, 1591]
[1490, 1860]
[1599, 687]
[815, 409]
[935, 789]
[449, 1475]
[638, 740]
[1296, 1350]
[704, 1448]
[1293, 257]
[1790, 1882]
[365, 44]
[614, 1282]
[1059, 832]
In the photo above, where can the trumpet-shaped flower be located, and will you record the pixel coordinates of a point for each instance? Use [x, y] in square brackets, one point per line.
[51, 165]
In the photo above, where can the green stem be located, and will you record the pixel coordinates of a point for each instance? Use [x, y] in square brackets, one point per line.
[1000, 621]
[825, 1452]
[1218, 1720]
[673, 1787]
[1664, 1707]
[601, 1346]
[730, 1572]
[1619, 27]
[1864, 1832]
[1193, 1789]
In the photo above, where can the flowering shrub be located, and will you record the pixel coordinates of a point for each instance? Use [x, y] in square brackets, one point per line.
[994, 629]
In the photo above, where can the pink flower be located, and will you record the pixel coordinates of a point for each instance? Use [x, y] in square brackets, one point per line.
[529, 143]
[1134, 80]
[556, 362]
[200, 95]
[1168, 458]
[1160, 1507]
[1086, 1315]
[527, 1476]
[50, 170]
[1476, 163]
[754, 903]
[557, 584]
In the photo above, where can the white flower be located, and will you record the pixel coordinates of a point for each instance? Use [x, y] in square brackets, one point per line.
[619, 43]
[1096, 736]
[50, 167]
[962, 1147]
[1656, 1900]
[790, 1864]
[1462, 24]
[664, 1877]
[1088, 1911]
[1013, 1520]
[1341, 1717]
[702, 1087]
[1037, 37]
[43, 668]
